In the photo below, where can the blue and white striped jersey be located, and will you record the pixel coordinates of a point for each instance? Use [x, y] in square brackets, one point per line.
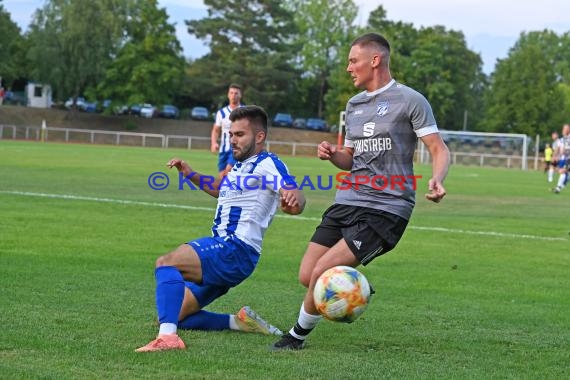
[562, 146]
[249, 197]
[223, 121]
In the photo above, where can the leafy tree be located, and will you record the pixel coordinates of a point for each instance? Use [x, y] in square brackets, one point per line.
[562, 58]
[564, 89]
[341, 86]
[11, 42]
[197, 88]
[447, 73]
[437, 63]
[403, 38]
[72, 43]
[250, 44]
[526, 95]
[562, 64]
[323, 28]
[149, 65]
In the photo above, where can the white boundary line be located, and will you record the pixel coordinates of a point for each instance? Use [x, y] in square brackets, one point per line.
[198, 208]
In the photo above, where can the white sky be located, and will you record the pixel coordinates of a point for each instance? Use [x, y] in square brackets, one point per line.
[496, 17]
[490, 27]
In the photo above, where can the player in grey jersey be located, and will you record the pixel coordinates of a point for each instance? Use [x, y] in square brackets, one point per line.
[368, 218]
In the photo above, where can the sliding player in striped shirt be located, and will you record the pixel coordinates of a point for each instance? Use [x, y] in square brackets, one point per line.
[201, 270]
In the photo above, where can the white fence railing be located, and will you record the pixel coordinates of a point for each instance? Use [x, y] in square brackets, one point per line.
[194, 142]
[482, 158]
[487, 159]
[135, 139]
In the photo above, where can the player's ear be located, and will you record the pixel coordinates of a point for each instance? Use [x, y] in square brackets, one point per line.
[375, 61]
[259, 136]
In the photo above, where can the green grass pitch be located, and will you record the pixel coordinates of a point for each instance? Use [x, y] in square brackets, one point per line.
[479, 286]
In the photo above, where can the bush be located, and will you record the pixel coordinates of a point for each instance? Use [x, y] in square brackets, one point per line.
[131, 125]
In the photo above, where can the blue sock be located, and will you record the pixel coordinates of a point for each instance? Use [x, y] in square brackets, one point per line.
[566, 179]
[205, 320]
[169, 293]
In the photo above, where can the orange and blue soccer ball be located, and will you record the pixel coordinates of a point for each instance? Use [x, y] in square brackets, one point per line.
[342, 294]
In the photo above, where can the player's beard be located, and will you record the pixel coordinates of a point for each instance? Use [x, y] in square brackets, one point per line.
[242, 154]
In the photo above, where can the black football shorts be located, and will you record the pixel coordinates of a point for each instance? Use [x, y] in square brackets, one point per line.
[368, 232]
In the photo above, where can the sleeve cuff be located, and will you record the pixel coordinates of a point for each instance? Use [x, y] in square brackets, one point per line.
[427, 130]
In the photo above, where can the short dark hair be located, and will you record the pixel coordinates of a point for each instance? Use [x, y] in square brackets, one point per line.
[255, 114]
[235, 85]
[373, 39]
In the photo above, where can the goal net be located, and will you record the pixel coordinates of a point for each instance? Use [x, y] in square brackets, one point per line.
[474, 148]
[483, 149]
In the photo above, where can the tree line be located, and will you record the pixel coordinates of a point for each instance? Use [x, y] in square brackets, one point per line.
[289, 56]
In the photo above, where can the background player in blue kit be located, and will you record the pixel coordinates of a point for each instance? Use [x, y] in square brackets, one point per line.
[198, 272]
[220, 138]
[562, 157]
[383, 124]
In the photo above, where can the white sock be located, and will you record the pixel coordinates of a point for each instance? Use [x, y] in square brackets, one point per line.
[167, 328]
[561, 181]
[305, 324]
[233, 323]
[306, 320]
[550, 175]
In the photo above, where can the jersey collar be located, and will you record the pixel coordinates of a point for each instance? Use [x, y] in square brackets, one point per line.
[382, 89]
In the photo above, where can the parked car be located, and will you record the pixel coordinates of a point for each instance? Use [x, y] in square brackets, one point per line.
[16, 98]
[169, 111]
[135, 109]
[200, 113]
[316, 124]
[283, 120]
[149, 111]
[121, 110]
[104, 105]
[300, 123]
[90, 107]
[82, 105]
[79, 103]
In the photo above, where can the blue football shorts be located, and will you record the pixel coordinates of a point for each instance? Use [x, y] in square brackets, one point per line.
[562, 162]
[226, 262]
[225, 159]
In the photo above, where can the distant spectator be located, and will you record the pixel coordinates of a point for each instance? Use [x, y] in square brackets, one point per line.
[2, 94]
[547, 159]
[554, 160]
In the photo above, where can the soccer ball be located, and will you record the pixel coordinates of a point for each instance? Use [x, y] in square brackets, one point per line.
[341, 294]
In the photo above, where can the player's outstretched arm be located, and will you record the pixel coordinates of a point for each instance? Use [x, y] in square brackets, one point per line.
[292, 201]
[440, 166]
[341, 158]
[208, 184]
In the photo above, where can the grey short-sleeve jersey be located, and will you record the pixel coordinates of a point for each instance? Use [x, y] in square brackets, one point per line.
[382, 127]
